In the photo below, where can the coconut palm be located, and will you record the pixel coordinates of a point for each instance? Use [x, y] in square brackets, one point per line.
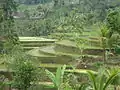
[103, 39]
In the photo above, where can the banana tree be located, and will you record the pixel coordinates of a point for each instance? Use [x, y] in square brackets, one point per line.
[57, 78]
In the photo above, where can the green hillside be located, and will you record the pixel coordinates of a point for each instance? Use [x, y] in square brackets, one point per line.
[59, 44]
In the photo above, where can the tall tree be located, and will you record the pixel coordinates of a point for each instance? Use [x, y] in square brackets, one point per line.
[113, 22]
[7, 22]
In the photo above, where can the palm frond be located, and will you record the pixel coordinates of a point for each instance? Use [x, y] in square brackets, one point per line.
[93, 79]
[109, 80]
[51, 76]
[58, 76]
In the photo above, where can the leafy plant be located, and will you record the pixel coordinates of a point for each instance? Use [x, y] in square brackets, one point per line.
[7, 24]
[113, 22]
[116, 80]
[25, 73]
[58, 78]
[71, 82]
[103, 39]
[101, 81]
[2, 82]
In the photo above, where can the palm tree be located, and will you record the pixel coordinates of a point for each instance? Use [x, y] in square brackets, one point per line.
[103, 39]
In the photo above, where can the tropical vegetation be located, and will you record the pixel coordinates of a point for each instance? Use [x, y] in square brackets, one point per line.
[59, 44]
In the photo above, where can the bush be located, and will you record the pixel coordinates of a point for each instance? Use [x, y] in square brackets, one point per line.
[25, 73]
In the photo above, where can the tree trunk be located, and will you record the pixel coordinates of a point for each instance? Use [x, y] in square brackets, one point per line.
[104, 56]
[104, 50]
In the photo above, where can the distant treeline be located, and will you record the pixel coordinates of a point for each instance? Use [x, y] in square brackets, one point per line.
[32, 1]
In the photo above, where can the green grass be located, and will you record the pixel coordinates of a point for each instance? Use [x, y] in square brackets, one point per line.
[67, 43]
[52, 65]
[50, 50]
[80, 71]
[32, 39]
[37, 53]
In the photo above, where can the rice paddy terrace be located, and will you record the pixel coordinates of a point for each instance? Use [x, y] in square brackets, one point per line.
[50, 54]
[67, 52]
[62, 52]
[29, 43]
[54, 52]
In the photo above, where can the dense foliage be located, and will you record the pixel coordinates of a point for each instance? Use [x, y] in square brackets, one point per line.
[7, 30]
[89, 31]
[25, 73]
[44, 19]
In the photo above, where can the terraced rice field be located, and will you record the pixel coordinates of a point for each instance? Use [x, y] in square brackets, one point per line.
[29, 43]
[51, 54]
